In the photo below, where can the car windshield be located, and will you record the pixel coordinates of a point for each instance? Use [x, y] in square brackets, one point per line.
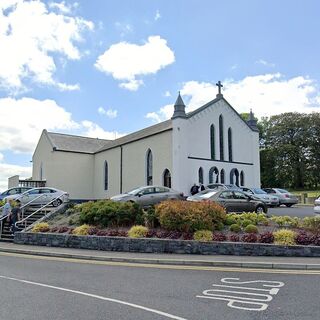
[207, 195]
[258, 191]
[134, 191]
[283, 191]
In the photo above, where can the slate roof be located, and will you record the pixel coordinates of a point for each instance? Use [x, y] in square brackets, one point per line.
[71, 143]
[149, 131]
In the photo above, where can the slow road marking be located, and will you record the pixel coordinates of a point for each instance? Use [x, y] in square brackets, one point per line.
[94, 296]
[241, 297]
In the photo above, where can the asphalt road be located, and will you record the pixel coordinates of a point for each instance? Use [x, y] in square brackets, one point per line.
[33, 288]
[295, 211]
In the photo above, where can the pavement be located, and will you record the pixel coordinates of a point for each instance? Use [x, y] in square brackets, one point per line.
[258, 262]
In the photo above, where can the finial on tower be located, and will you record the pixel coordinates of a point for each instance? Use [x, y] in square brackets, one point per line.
[219, 85]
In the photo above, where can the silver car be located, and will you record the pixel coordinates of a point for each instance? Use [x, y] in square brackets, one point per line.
[41, 196]
[12, 191]
[317, 205]
[149, 195]
[269, 199]
[285, 197]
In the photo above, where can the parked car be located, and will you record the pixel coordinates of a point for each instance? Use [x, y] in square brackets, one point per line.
[223, 186]
[148, 195]
[41, 196]
[285, 197]
[203, 195]
[236, 201]
[269, 199]
[317, 205]
[12, 191]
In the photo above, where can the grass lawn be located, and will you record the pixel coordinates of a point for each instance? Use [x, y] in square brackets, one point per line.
[311, 193]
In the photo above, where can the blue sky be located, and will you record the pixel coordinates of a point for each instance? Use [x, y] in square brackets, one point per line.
[106, 68]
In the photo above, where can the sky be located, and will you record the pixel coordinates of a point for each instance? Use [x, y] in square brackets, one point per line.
[103, 68]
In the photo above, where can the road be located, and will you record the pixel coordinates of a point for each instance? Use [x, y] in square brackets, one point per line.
[295, 211]
[34, 288]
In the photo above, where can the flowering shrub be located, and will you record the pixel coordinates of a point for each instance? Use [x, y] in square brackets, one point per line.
[41, 227]
[249, 237]
[174, 235]
[162, 234]
[82, 230]
[138, 232]
[251, 229]
[303, 238]
[188, 216]
[151, 233]
[266, 237]
[102, 233]
[187, 236]
[284, 237]
[234, 238]
[122, 233]
[93, 231]
[203, 235]
[219, 237]
[54, 229]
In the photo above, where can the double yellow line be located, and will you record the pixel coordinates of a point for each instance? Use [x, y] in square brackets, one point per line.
[161, 266]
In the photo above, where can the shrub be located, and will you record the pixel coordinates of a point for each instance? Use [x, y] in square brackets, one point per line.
[188, 216]
[263, 220]
[230, 220]
[303, 238]
[312, 224]
[63, 229]
[151, 218]
[246, 223]
[249, 237]
[82, 230]
[284, 237]
[70, 211]
[251, 216]
[113, 233]
[41, 227]
[2, 203]
[138, 232]
[234, 238]
[316, 240]
[266, 237]
[174, 235]
[251, 229]
[122, 233]
[102, 233]
[286, 221]
[219, 226]
[219, 237]
[162, 234]
[203, 235]
[235, 228]
[93, 231]
[151, 233]
[107, 213]
[187, 236]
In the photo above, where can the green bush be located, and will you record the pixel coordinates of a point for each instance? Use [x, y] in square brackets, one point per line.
[82, 230]
[187, 216]
[286, 221]
[219, 226]
[2, 203]
[312, 224]
[251, 216]
[251, 228]
[138, 232]
[41, 227]
[235, 228]
[107, 213]
[203, 235]
[151, 219]
[230, 220]
[245, 222]
[284, 237]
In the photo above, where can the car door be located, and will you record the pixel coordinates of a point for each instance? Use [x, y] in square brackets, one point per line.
[226, 199]
[32, 195]
[161, 194]
[243, 203]
[46, 195]
[147, 197]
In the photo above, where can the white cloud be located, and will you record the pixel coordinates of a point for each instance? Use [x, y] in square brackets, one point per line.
[110, 113]
[265, 63]
[126, 61]
[63, 7]
[93, 130]
[1, 157]
[9, 170]
[124, 28]
[266, 95]
[31, 36]
[157, 16]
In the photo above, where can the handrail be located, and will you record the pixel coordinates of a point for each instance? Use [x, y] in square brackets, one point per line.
[30, 215]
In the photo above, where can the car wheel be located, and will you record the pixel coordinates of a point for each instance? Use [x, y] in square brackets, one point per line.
[288, 205]
[260, 209]
[57, 202]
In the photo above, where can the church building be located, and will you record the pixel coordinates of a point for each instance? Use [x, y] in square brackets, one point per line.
[211, 144]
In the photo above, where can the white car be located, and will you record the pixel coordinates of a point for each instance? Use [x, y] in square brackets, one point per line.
[317, 205]
[41, 196]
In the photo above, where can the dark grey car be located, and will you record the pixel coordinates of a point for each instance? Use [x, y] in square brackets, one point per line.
[149, 195]
[237, 201]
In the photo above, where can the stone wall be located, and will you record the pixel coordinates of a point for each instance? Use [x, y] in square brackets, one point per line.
[163, 245]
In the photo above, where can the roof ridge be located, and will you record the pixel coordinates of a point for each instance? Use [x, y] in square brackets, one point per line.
[77, 136]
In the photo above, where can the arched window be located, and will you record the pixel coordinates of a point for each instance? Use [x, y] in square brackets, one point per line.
[214, 175]
[230, 144]
[241, 178]
[212, 144]
[234, 177]
[221, 137]
[41, 171]
[222, 174]
[149, 168]
[200, 174]
[106, 173]
[167, 178]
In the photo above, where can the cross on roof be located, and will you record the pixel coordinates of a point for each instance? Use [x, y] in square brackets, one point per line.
[219, 85]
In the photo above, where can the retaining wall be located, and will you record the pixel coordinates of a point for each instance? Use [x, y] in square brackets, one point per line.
[163, 245]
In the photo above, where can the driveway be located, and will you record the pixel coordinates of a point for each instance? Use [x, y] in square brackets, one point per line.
[295, 211]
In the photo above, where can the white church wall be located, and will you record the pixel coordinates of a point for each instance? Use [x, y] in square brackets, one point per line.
[68, 171]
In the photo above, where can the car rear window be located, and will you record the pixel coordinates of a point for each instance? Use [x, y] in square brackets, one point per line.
[283, 191]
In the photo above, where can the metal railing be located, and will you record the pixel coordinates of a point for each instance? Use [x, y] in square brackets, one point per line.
[24, 220]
